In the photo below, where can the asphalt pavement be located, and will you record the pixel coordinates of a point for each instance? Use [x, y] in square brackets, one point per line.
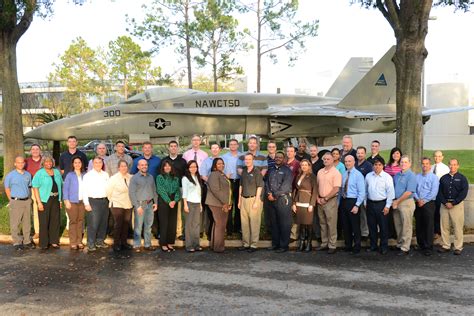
[71, 282]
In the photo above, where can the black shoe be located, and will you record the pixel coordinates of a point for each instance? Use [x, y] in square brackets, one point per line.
[31, 245]
[250, 250]
[273, 248]
[117, 248]
[403, 253]
[347, 249]
[443, 250]
[101, 245]
[281, 250]
[355, 252]
[384, 251]
[427, 252]
[331, 251]
[457, 252]
[150, 248]
[243, 248]
[127, 247]
[321, 248]
[372, 250]
[18, 247]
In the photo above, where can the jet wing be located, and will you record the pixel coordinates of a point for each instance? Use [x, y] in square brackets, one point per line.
[447, 110]
[272, 111]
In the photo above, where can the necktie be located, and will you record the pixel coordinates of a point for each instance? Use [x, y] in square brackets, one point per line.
[344, 192]
[434, 170]
[195, 156]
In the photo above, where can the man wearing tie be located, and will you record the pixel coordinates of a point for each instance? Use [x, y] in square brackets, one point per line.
[352, 195]
[195, 153]
[439, 169]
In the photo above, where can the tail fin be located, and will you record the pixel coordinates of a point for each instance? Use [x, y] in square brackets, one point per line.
[376, 88]
[351, 74]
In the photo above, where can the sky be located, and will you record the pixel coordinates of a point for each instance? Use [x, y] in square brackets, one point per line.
[345, 31]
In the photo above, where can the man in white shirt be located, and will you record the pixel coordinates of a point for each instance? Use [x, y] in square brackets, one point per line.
[439, 169]
[96, 204]
[380, 194]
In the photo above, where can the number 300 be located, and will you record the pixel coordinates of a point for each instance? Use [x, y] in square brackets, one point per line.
[111, 113]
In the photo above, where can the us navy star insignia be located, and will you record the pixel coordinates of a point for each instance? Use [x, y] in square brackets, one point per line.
[160, 123]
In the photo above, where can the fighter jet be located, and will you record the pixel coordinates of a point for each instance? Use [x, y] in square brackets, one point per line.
[352, 106]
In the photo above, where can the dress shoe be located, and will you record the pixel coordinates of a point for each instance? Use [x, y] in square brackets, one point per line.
[101, 245]
[372, 250]
[403, 253]
[331, 251]
[55, 246]
[29, 246]
[117, 248]
[355, 252]
[243, 248]
[384, 251]
[281, 250]
[320, 248]
[251, 249]
[457, 252]
[443, 250]
[427, 252]
[127, 247]
[150, 248]
[18, 247]
[273, 248]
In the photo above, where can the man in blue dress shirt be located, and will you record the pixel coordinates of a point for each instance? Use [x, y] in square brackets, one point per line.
[380, 193]
[427, 185]
[404, 205]
[230, 170]
[352, 195]
[17, 188]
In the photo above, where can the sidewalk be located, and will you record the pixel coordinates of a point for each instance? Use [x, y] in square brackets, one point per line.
[6, 239]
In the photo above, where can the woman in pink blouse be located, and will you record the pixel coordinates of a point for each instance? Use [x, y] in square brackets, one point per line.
[393, 165]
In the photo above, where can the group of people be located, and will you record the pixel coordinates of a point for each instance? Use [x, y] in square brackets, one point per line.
[303, 196]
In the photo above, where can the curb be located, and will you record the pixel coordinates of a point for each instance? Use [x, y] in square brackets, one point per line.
[6, 239]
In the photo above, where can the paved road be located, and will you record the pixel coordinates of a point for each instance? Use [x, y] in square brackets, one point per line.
[65, 282]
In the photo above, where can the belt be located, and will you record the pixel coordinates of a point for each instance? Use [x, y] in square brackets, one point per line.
[146, 201]
[103, 198]
[19, 199]
[372, 201]
[54, 194]
[234, 180]
[248, 197]
[348, 198]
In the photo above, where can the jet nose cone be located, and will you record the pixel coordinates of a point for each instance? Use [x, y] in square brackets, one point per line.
[35, 133]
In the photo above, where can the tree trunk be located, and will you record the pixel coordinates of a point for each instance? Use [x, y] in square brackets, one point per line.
[12, 124]
[259, 48]
[188, 45]
[409, 59]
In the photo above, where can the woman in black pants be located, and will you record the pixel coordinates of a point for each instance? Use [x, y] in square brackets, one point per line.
[47, 185]
[169, 194]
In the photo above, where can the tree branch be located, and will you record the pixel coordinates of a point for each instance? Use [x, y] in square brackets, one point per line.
[391, 15]
[25, 21]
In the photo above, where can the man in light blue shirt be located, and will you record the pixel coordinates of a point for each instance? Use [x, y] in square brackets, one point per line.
[207, 219]
[404, 205]
[427, 185]
[17, 188]
[380, 193]
[230, 170]
[352, 195]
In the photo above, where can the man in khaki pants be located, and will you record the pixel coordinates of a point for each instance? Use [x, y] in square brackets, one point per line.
[404, 205]
[453, 189]
[250, 204]
[32, 165]
[329, 182]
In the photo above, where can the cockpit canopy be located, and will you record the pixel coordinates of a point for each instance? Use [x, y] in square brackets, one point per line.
[160, 93]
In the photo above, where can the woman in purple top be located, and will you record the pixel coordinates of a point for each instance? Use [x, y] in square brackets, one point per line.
[75, 209]
[393, 165]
